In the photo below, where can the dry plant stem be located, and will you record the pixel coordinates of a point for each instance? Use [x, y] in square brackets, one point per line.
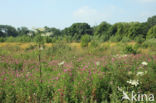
[39, 58]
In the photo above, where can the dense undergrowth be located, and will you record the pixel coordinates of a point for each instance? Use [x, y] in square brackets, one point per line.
[98, 73]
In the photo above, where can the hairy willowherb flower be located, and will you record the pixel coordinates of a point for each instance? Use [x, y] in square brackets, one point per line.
[133, 82]
[144, 63]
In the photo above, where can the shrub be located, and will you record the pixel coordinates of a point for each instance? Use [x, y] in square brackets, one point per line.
[47, 39]
[125, 39]
[104, 38]
[2, 39]
[85, 40]
[151, 33]
[149, 43]
[139, 39]
[116, 38]
[130, 50]
[94, 44]
[10, 39]
[59, 48]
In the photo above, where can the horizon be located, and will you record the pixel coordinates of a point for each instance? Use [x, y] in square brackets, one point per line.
[62, 14]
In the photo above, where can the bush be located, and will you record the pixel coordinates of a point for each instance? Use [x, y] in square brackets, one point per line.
[125, 39]
[2, 39]
[104, 38]
[94, 44]
[10, 39]
[116, 38]
[151, 33]
[149, 43]
[85, 40]
[59, 48]
[129, 49]
[139, 39]
[47, 39]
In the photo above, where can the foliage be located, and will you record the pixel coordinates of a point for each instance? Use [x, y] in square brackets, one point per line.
[102, 29]
[151, 33]
[125, 39]
[139, 39]
[78, 77]
[85, 40]
[116, 38]
[129, 49]
[6, 30]
[77, 30]
[149, 43]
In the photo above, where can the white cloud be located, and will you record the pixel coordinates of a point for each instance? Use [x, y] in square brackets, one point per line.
[90, 15]
[93, 16]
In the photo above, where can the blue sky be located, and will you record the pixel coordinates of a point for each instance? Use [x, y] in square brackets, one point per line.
[62, 13]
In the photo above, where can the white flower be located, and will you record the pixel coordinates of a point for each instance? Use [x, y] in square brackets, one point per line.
[133, 82]
[41, 48]
[97, 63]
[130, 73]
[30, 34]
[61, 63]
[46, 34]
[144, 63]
[141, 73]
[41, 29]
[120, 89]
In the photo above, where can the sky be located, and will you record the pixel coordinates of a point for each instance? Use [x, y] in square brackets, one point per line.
[63, 13]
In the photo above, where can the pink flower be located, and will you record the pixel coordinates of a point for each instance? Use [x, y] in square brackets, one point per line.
[57, 78]
[113, 59]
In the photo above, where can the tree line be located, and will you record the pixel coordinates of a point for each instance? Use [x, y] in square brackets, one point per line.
[121, 31]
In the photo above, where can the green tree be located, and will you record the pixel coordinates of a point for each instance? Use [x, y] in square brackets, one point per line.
[77, 30]
[102, 29]
[136, 29]
[23, 31]
[7, 30]
[151, 21]
[151, 33]
[54, 31]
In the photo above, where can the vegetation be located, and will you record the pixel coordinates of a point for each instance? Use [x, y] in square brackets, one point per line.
[47, 65]
[71, 74]
[121, 31]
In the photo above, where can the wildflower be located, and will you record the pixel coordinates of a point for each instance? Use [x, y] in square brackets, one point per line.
[141, 73]
[46, 34]
[41, 29]
[120, 89]
[41, 48]
[133, 82]
[57, 78]
[130, 73]
[97, 63]
[67, 70]
[59, 64]
[30, 34]
[113, 59]
[144, 63]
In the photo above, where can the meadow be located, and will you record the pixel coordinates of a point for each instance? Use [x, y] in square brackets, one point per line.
[69, 73]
